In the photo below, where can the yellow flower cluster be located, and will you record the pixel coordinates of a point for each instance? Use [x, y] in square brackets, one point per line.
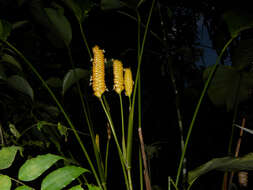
[98, 75]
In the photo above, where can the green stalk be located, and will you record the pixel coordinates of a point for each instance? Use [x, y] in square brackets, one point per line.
[117, 143]
[133, 18]
[123, 127]
[131, 115]
[234, 118]
[60, 107]
[106, 157]
[89, 123]
[197, 109]
[85, 39]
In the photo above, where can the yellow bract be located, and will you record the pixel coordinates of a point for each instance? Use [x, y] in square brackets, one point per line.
[118, 76]
[128, 82]
[98, 72]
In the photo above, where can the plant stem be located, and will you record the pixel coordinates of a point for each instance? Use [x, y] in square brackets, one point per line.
[146, 175]
[106, 157]
[237, 151]
[197, 109]
[131, 115]
[141, 172]
[122, 127]
[60, 107]
[117, 143]
[85, 40]
[89, 123]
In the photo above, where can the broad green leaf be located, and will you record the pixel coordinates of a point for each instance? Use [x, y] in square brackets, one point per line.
[227, 82]
[237, 21]
[80, 8]
[5, 29]
[223, 164]
[61, 24]
[11, 60]
[61, 177]
[34, 167]
[20, 84]
[24, 187]
[242, 55]
[93, 187]
[5, 182]
[7, 156]
[77, 187]
[72, 77]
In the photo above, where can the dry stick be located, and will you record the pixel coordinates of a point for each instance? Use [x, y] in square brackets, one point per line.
[237, 150]
[1, 135]
[146, 176]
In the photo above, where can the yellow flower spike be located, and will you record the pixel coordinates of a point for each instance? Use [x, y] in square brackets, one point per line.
[118, 76]
[128, 82]
[98, 72]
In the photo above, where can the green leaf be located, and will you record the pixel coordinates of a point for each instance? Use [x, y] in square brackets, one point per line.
[54, 82]
[61, 24]
[93, 187]
[223, 164]
[7, 155]
[11, 60]
[77, 187]
[61, 177]
[223, 88]
[19, 24]
[20, 84]
[24, 187]
[5, 29]
[242, 55]
[237, 21]
[73, 76]
[80, 8]
[5, 182]
[34, 167]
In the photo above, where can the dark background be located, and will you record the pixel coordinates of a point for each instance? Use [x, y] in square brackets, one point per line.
[117, 34]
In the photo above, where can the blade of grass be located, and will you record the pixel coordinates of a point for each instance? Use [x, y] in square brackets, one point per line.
[107, 113]
[197, 109]
[131, 115]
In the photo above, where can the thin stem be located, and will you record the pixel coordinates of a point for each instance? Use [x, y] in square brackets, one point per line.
[1, 135]
[60, 107]
[89, 123]
[237, 151]
[197, 109]
[122, 127]
[133, 18]
[116, 141]
[141, 172]
[85, 40]
[146, 175]
[106, 157]
[131, 115]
